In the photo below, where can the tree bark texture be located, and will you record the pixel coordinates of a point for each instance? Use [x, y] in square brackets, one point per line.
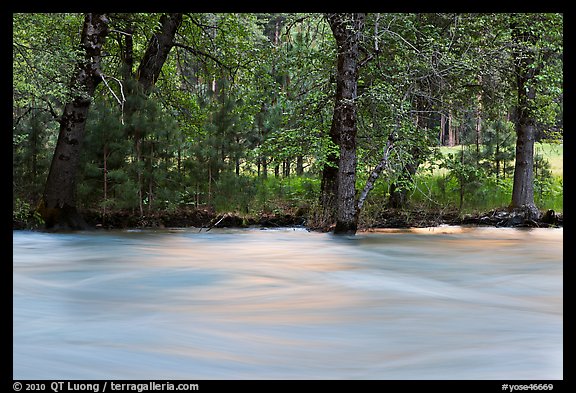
[58, 204]
[346, 29]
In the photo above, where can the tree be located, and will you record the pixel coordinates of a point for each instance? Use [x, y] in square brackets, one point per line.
[535, 44]
[58, 204]
[58, 207]
[347, 29]
[247, 92]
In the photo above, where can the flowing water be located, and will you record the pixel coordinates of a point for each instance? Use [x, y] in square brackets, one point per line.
[442, 303]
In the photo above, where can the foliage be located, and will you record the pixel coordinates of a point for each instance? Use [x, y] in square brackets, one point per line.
[477, 186]
[243, 99]
[465, 172]
[498, 148]
[24, 216]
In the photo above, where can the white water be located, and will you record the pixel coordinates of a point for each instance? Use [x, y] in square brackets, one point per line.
[444, 303]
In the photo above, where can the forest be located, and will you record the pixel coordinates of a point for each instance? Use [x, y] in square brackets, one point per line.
[333, 121]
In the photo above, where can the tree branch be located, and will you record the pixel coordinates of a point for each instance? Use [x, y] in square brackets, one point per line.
[198, 52]
[377, 170]
[120, 102]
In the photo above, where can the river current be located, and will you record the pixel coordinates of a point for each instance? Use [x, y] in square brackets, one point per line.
[438, 303]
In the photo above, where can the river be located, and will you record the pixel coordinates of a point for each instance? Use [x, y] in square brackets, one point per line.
[437, 303]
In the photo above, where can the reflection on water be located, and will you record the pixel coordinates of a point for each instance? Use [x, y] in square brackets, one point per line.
[442, 303]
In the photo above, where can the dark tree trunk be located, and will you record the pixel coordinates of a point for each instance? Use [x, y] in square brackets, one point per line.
[126, 44]
[58, 204]
[158, 48]
[442, 135]
[523, 187]
[264, 168]
[299, 165]
[346, 29]
[526, 71]
[286, 168]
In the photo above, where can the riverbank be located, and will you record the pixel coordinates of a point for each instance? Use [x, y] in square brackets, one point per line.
[388, 218]
[182, 218]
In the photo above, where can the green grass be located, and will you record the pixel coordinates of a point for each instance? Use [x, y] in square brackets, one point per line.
[553, 152]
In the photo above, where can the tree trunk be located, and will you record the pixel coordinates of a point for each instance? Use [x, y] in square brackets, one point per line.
[264, 168]
[58, 204]
[346, 29]
[442, 134]
[126, 43]
[157, 51]
[299, 165]
[523, 187]
[451, 131]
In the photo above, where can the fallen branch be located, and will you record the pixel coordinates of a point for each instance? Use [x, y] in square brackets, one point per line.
[219, 221]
